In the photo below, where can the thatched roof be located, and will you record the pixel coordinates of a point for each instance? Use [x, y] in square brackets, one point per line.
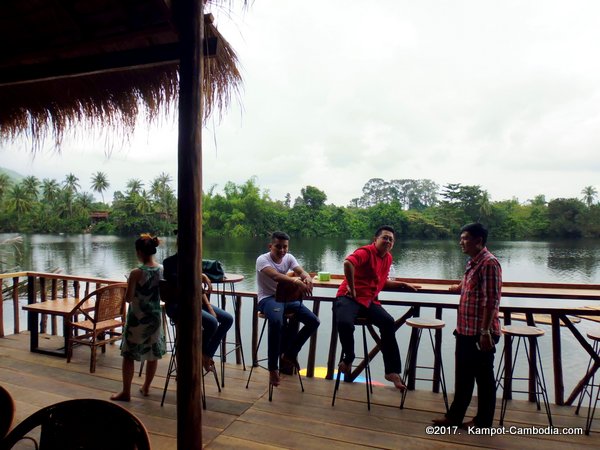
[96, 62]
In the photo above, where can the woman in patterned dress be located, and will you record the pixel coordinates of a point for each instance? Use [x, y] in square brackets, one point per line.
[143, 338]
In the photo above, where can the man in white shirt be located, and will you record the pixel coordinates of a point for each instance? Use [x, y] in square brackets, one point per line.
[272, 268]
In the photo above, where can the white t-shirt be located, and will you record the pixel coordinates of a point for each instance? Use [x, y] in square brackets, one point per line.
[266, 285]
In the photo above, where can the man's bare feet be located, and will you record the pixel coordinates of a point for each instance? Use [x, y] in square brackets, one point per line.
[274, 377]
[145, 391]
[121, 397]
[397, 380]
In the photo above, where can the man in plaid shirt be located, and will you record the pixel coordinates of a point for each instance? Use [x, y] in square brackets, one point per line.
[477, 331]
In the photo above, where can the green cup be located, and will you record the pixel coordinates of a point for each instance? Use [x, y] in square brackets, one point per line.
[324, 276]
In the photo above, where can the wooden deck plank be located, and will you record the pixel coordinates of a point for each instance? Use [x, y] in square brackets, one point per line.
[273, 435]
[244, 418]
[228, 442]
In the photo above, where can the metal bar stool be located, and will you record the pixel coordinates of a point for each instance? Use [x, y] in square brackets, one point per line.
[364, 323]
[286, 318]
[524, 333]
[172, 369]
[588, 389]
[418, 324]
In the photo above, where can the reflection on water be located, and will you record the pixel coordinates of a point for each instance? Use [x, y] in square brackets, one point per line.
[112, 257]
[544, 261]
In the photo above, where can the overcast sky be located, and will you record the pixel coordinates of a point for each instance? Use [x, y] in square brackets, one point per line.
[503, 94]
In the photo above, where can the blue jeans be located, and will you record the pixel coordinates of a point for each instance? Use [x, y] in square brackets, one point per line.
[214, 329]
[273, 311]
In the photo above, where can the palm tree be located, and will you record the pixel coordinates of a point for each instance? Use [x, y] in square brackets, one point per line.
[85, 200]
[50, 190]
[162, 192]
[30, 185]
[5, 184]
[589, 195]
[19, 201]
[100, 183]
[485, 207]
[134, 186]
[142, 203]
[71, 183]
[66, 198]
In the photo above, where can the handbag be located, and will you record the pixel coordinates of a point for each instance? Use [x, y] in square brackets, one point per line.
[288, 291]
[213, 269]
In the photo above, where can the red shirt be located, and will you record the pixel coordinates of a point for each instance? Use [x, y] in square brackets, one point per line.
[370, 274]
[481, 286]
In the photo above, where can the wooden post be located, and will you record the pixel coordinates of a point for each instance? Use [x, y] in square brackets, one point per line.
[413, 348]
[559, 386]
[238, 327]
[437, 354]
[312, 349]
[333, 339]
[188, 15]
[32, 317]
[507, 385]
[15, 298]
[255, 332]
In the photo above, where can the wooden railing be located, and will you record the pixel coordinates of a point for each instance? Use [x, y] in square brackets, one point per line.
[45, 286]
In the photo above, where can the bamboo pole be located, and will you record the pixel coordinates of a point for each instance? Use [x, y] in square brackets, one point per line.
[188, 16]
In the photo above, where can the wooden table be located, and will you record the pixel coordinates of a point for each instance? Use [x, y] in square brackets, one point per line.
[62, 307]
[522, 290]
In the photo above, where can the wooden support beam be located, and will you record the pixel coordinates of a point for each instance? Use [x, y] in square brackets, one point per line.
[189, 17]
[77, 67]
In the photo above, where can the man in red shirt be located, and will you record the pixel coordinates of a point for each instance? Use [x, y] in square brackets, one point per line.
[366, 274]
[477, 331]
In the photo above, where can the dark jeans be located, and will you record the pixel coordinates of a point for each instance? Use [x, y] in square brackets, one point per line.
[274, 310]
[346, 310]
[214, 329]
[473, 365]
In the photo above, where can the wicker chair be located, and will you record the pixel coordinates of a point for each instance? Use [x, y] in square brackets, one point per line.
[83, 423]
[7, 411]
[103, 321]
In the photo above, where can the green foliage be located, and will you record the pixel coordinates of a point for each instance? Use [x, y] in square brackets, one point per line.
[566, 217]
[245, 210]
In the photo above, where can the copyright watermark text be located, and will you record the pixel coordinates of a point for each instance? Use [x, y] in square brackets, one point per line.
[437, 430]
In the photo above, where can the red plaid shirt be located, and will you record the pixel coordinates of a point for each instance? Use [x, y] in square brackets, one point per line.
[481, 286]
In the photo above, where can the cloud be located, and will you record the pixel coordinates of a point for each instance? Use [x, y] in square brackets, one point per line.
[500, 94]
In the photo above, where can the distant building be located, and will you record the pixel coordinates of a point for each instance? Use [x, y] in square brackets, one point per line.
[99, 216]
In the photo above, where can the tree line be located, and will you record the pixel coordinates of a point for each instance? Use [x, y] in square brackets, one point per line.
[416, 208]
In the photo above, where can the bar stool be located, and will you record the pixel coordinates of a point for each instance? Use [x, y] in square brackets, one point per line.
[286, 318]
[524, 333]
[588, 389]
[172, 369]
[419, 324]
[363, 322]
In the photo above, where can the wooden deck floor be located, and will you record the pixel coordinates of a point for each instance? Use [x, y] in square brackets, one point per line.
[244, 418]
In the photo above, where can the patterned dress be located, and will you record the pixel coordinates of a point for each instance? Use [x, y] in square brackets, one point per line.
[143, 333]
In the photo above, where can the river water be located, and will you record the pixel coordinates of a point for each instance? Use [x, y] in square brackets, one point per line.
[543, 261]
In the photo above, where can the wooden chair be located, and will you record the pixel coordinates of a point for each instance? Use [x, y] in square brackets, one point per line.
[7, 411]
[103, 323]
[83, 423]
